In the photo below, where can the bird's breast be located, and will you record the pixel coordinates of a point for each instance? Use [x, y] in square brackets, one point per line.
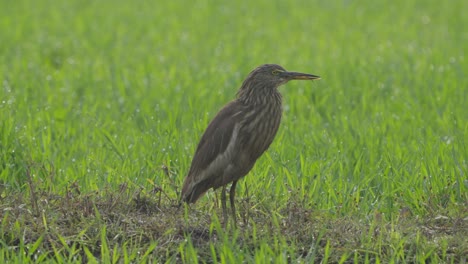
[259, 128]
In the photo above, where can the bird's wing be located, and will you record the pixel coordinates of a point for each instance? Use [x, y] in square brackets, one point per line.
[216, 138]
[216, 147]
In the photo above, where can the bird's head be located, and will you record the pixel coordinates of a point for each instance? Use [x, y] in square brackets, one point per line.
[274, 75]
[267, 78]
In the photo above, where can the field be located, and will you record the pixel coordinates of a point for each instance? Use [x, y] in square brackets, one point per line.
[102, 104]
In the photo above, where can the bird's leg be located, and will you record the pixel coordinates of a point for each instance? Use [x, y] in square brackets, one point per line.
[223, 203]
[232, 194]
[246, 215]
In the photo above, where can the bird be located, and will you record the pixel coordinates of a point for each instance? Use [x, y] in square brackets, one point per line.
[238, 135]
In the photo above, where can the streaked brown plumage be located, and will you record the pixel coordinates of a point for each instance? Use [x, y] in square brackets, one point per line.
[239, 134]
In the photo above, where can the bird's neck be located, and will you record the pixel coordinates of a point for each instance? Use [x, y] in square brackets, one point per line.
[259, 96]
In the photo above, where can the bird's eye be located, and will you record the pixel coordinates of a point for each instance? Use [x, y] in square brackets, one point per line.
[275, 72]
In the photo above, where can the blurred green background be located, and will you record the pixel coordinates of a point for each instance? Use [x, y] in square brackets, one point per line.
[96, 95]
[105, 92]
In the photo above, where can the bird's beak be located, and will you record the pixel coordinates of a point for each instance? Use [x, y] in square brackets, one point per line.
[299, 76]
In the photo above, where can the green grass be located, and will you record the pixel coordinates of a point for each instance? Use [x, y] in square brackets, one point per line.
[102, 104]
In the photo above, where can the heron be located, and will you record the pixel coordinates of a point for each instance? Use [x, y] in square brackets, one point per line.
[238, 135]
